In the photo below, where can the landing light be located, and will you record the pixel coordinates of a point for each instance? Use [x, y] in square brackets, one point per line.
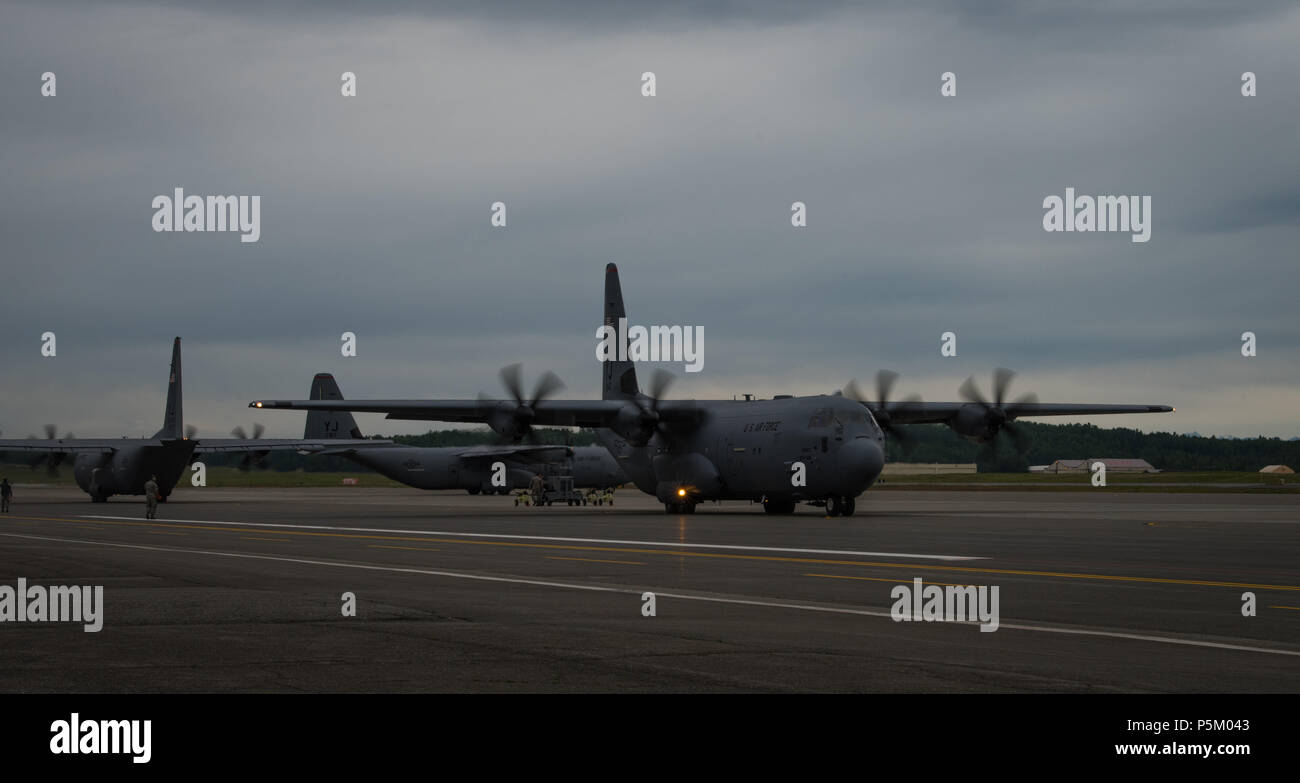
[259, 404]
[681, 493]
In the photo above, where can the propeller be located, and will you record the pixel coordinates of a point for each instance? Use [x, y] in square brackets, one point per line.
[240, 433]
[517, 424]
[883, 409]
[53, 459]
[190, 431]
[648, 420]
[999, 414]
[251, 457]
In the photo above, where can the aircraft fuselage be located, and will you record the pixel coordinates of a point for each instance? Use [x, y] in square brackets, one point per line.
[443, 468]
[125, 470]
[791, 449]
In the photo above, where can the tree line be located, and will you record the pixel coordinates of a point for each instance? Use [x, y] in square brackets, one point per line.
[1043, 444]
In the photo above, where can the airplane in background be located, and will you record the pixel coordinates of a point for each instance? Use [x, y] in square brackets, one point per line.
[120, 466]
[823, 450]
[454, 467]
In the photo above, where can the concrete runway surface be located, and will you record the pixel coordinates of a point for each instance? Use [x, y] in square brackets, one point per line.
[241, 590]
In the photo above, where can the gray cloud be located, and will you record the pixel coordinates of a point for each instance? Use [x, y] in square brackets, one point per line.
[925, 213]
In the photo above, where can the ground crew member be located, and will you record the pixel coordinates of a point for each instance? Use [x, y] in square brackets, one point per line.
[536, 487]
[151, 498]
[6, 493]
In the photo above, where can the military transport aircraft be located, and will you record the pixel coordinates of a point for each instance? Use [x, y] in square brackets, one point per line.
[451, 467]
[121, 466]
[822, 450]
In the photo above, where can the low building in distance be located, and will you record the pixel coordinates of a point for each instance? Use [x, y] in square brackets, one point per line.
[1113, 465]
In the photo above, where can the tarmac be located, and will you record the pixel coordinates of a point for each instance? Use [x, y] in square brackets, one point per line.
[243, 590]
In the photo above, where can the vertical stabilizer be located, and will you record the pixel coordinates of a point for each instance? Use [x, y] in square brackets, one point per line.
[329, 424]
[618, 376]
[173, 427]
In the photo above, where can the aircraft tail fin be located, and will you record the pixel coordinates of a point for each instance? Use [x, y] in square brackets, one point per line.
[174, 420]
[329, 424]
[618, 377]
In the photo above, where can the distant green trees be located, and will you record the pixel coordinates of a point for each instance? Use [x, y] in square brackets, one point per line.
[927, 443]
[1049, 442]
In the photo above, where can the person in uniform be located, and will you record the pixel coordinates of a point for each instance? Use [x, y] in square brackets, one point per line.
[151, 498]
[6, 494]
[536, 487]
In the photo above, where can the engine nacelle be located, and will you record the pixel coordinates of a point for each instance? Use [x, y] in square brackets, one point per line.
[692, 472]
[634, 424]
[977, 422]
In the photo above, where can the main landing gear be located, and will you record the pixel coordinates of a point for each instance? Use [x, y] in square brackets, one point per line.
[684, 507]
[840, 506]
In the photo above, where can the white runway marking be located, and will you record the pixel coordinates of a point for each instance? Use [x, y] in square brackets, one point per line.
[663, 594]
[673, 544]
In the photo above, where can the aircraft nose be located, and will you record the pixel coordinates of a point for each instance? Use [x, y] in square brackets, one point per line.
[863, 460]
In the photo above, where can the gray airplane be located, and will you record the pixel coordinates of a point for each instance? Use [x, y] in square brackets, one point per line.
[121, 466]
[822, 450]
[469, 468]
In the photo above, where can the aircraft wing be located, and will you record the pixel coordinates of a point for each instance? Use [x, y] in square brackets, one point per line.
[560, 413]
[940, 412]
[541, 452]
[72, 445]
[237, 445]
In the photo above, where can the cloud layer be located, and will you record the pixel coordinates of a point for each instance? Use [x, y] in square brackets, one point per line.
[924, 212]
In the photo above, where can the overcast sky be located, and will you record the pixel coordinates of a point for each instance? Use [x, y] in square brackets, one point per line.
[924, 212]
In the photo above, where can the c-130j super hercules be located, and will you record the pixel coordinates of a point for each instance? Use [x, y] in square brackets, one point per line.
[121, 466]
[687, 451]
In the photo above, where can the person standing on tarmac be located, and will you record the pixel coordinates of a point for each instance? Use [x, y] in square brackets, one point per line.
[6, 494]
[151, 498]
[535, 488]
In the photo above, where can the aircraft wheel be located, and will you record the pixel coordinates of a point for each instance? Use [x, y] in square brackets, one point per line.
[849, 505]
[99, 498]
[473, 490]
[162, 498]
[834, 506]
